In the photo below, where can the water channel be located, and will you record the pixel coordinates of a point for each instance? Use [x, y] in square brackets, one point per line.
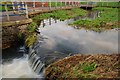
[58, 40]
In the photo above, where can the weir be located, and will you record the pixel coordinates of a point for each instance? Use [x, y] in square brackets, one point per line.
[38, 62]
[35, 62]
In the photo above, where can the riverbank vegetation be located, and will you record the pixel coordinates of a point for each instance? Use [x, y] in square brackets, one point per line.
[84, 66]
[61, 14]
[102, 4]
[31, 34]
[53, 4]
[108, 19]
[31, 38]
[108, 4]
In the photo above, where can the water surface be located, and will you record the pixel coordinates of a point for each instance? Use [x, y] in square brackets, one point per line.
[66, 39]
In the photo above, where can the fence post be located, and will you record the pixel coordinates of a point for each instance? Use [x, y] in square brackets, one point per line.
[13, 7]
[34, 5]
[23, 6]
[69, 3]
[26, 10]
[65, 3]
[8, 17]
[18, 6]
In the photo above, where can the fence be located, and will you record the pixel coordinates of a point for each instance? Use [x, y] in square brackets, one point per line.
[14, 9]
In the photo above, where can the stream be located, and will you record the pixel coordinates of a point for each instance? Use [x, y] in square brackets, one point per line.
[57, 40]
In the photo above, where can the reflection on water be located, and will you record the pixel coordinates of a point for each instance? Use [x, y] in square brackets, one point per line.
[18, 68]
[65, 39]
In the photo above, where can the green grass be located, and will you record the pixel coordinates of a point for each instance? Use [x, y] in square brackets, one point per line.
[83, 3]
[109, 4]
[2, 8]
[31, 27]
[61, 14]
[30, 39]
[108, 16]
[105, 4]
[87, 67]
[53, 4]
[81, 70]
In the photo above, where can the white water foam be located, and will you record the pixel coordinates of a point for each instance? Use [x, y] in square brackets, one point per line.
[18, 68]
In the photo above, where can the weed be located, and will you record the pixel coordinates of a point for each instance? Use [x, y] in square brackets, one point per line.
[30, 39]
[31, 27]
[87, 67]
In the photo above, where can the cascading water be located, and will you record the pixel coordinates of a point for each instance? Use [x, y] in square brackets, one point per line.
[35, 62]
[19, 67]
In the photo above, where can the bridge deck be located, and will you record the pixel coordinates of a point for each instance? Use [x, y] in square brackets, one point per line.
[33, 11]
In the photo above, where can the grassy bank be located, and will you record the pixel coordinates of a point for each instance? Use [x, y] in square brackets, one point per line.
[103, 4]
[108, 4]
[61, 14]
[108, 20]
[31, 36]
[86, 67]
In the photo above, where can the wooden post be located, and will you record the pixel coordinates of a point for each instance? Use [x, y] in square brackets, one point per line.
[43, 24]
[65, 3]
[23, 6]
[26, 10]
[18, 6]
[8, 17]
[55, 20]
[87, 5]
[13, 6]
[72, 3]
[49, 21]
[34, 5]
[42, 3]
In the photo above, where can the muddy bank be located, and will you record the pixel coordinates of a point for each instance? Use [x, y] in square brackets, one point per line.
[85, 66]
[13, 34]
